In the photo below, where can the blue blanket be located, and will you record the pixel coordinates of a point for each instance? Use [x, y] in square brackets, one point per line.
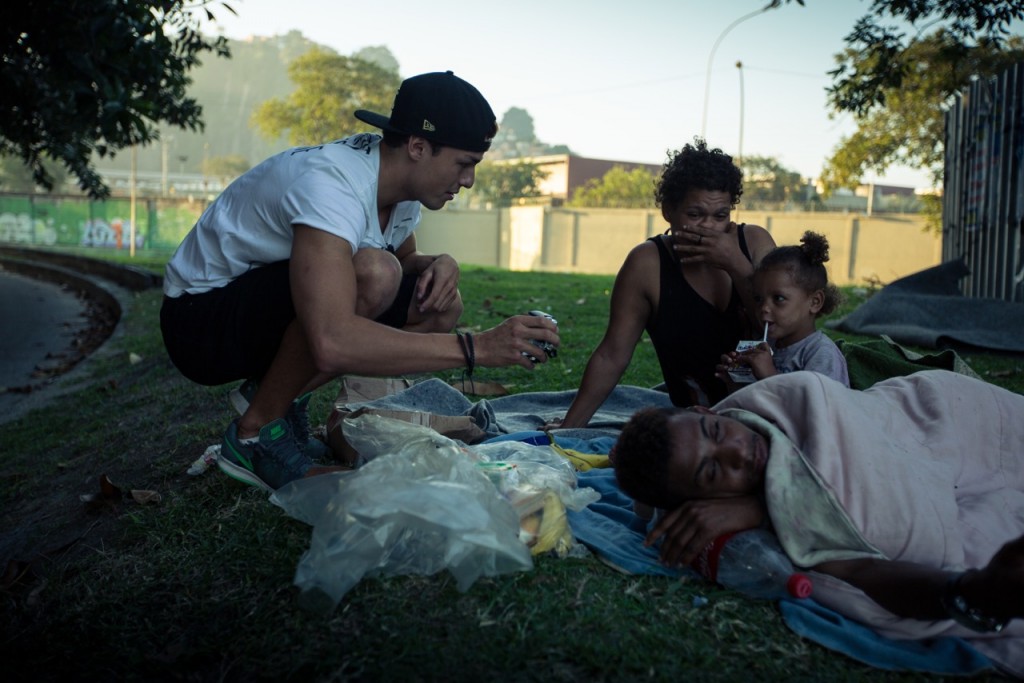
[615, 534]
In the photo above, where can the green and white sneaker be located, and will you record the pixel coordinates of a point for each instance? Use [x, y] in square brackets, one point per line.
[297, 416]
[270, 463]
[298, 419]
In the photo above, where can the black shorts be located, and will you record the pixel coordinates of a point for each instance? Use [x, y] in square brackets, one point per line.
[233, 332]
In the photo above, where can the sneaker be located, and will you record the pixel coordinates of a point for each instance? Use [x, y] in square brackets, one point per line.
[297, 416]
[298, 419]
[270, 463]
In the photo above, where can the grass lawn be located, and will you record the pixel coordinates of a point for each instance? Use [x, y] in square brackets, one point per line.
[199, 586]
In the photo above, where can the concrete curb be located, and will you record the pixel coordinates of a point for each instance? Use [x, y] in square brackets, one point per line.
[129, 277]
[105, 287]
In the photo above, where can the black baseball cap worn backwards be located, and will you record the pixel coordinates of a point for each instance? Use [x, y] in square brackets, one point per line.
[440, 107]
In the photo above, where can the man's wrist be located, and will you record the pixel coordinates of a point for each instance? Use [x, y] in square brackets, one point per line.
[960, 609]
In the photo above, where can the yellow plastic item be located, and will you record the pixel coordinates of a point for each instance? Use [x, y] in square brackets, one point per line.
[581, 461]
[543, 525]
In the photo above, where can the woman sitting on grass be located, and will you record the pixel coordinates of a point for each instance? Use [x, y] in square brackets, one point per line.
[689, 290]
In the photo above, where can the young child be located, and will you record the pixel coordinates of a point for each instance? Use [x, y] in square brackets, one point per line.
[792, 290]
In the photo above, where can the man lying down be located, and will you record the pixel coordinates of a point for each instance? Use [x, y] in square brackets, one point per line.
[906, 500]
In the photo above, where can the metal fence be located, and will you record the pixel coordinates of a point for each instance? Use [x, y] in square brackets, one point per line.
[983, 209]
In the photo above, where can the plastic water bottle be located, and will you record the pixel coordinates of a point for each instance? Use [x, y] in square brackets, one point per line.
[753, 563]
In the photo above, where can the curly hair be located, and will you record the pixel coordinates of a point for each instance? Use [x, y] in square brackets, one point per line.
[806, 263]
[695, 167]
[641, 456]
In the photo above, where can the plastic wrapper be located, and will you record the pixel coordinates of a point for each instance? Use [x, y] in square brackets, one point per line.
[539, 467]
[423, 503]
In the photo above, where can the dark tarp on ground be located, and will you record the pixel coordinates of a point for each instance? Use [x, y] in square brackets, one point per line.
[927, 309]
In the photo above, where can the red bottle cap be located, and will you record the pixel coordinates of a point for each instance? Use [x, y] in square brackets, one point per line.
[799, 586]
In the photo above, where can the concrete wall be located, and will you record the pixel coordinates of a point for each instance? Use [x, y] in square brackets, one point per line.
[863, 249]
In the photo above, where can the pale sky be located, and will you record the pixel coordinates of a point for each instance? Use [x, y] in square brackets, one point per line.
[613, 79]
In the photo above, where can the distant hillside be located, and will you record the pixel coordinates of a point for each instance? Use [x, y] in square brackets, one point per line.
[229, 90]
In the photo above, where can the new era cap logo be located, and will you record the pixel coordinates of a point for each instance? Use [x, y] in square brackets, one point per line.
[427, 125]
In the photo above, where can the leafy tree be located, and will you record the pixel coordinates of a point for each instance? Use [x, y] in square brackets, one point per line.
[502, 184]
[226, 167]
[80, 78]
[908, 127]
[15, 176]
[328, 88]
[379, 55]
[895, 83]
[518, 120]
[765, 180]
[618, 188]
[517, 138]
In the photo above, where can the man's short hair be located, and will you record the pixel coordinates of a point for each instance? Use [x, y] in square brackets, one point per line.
[641, 456]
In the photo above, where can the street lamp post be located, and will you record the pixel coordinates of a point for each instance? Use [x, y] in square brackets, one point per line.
[739, 149]
[165, 143]
[711, 58]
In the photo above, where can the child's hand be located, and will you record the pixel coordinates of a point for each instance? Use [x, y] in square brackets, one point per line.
[725, 363]
[760, 361]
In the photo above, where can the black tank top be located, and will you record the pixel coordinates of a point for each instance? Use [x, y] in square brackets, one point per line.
[690, 334]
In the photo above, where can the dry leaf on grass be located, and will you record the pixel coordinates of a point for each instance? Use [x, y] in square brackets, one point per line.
[110, 496]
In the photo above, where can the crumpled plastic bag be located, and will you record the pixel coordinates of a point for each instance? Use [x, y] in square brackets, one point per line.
[539, 467]
[419, 505]
[543, 486]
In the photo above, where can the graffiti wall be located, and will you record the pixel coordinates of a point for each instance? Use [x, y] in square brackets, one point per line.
[42, 220]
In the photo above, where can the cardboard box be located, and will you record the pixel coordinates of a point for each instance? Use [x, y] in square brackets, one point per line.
[356, 389]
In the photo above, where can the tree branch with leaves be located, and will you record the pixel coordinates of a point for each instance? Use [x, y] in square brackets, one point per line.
[328, 89]
[904, 60]
[91, 78]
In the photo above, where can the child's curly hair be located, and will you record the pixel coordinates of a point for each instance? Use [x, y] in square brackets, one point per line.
[695, 167]
[807, 264]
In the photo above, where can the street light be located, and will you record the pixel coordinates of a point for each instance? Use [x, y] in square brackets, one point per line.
[739, 150]
[711, 57]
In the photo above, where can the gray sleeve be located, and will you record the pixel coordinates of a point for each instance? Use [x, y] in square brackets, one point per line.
[825, 358]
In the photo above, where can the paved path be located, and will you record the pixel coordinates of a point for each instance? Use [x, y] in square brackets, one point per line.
[36, 318]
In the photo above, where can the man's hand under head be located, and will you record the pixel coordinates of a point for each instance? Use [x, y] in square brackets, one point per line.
[688, 529]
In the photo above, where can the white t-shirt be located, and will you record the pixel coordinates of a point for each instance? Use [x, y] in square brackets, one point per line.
[330, 187]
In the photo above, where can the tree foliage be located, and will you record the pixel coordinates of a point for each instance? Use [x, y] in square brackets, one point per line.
[519, 121]
[502, 184]
[895, 81]
[15, 176]
[328, 89]
[85, 78]
[227, 167]
[618, 188]
[379, 55]
[766, 181]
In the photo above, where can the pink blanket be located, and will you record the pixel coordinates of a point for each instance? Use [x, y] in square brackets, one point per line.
[926, 468]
